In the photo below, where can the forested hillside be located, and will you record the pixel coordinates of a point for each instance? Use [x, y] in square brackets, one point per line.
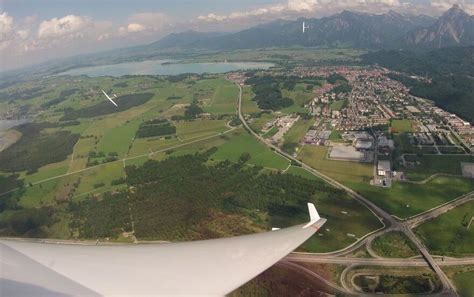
[187, 198]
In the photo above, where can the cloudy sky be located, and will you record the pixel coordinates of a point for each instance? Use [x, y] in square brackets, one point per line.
[33, 31]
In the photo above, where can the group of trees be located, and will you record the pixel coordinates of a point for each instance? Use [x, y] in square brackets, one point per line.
[192, 111]
[157, 127]
[27, 222]
[99, 218]
[267, 92]
[8, 183]
[95, 158]
[104, 107]
[342, 88]
[335, 78]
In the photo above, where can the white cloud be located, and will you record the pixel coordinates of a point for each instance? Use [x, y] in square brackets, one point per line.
[68, 26]
[213, 17]
[131, 28]
[153, 21]
[6, 23]
[302, 5]
[6, 30]
[134, 27]
[144, 23]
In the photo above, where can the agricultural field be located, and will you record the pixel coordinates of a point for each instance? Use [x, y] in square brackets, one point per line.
[462, 277]
[248, 105]
[342, 171]
[296, 133]
[223, 99]
[187, 130]
[464, 284]
[270, 133]
[401, 126]
[428, 165]
[405, 199]
[449, 234]
[260, 155]
[295, 170]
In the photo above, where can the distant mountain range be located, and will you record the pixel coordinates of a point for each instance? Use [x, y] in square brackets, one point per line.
[346, 29]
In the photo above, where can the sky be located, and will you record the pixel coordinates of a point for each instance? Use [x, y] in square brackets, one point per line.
[34, 31]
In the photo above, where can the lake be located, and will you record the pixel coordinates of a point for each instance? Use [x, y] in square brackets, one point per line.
[163, 67]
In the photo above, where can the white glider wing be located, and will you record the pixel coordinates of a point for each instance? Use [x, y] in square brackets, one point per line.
[110, 98]
[199, 268]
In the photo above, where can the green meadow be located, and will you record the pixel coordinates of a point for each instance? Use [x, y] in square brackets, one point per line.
[449, 234]
[407, 199]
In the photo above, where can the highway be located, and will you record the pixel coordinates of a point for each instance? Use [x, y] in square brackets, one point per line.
[390, 222]
[400, 262]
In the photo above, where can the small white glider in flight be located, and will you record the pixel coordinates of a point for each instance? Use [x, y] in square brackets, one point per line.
[110, 98]
[213, 267]
[305, 27]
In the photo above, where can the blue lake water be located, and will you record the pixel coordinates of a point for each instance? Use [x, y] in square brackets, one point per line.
[163, 67]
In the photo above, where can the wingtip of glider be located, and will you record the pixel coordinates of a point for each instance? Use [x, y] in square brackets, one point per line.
[313, 215]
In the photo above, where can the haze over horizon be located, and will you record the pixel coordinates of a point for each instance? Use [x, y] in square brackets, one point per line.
[32, 32]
